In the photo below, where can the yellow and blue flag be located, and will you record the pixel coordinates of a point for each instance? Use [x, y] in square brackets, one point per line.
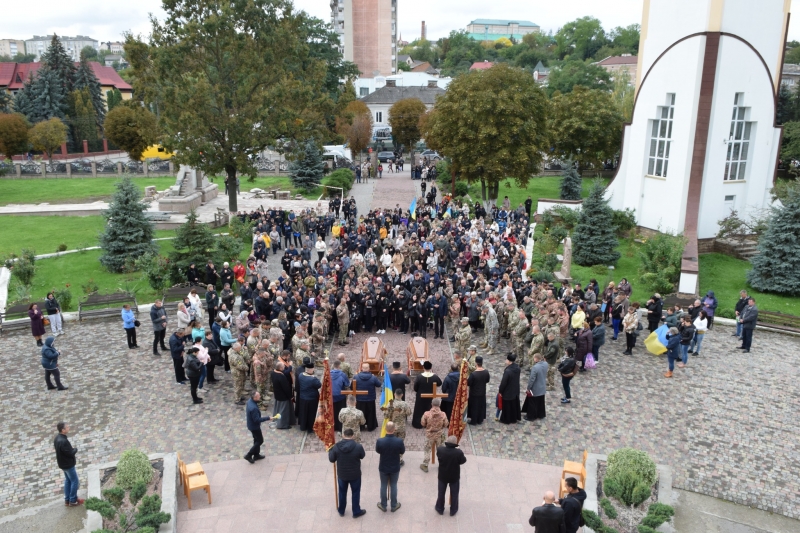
[413, 208]
[387, 395]
[656, 342]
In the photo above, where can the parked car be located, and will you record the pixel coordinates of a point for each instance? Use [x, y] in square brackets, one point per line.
[383, 157]
[432, 155]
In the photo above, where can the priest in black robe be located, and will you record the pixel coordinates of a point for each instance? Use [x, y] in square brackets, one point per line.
[509, 392]
[308, 386]
[423, 385]
[476, 404]
[365, 403]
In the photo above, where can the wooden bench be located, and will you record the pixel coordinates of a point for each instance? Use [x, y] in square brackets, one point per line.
[106, 305]
[18, 317]
[781, 321]
[175, 295]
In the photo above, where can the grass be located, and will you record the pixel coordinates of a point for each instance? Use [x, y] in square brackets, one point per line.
[538, 187]
[85, 190]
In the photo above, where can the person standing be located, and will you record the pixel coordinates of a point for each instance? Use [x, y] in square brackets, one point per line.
[534, 405]
[573, 505]
[450, 460]
[238, 361]
[398, 378]
[548, 517]
[710, 304]
[509, 392]
[740, 305]
[365, 403]
[450, 386]
[37, 323]
[598, 337]
[391, 449]
[254, 420]
[212, 301]
[53, 309]
[748, 318]
[50, 364]
[282, 389]
[176, 348]
[308, 386]
[65, 457]
[193, 369]
[339, 382]
[352, 418]
[700, 326]
[673, 350]
[435, 423]
[654, 312]
[343, 316]
[476, 404]
[347, 454]
[630, 324]
[551, 353]
[129, 325]
[568, 368]
[399, 413]
[158, 317]
[423, 384]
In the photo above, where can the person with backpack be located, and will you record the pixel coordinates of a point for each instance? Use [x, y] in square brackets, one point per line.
[568, 368]
[573, 505]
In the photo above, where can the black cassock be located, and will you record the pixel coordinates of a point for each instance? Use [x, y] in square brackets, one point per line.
[423, 385]
[476, 405]
[509, 389]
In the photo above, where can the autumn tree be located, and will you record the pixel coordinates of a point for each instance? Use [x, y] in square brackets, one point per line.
[13, 134]
[585, 125]
[132, 128]
[355, 124]
[493, 125]
[48, 136]
[404, 118]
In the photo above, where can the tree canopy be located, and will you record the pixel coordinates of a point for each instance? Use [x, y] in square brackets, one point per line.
[128, 233]
[48, 136]
[493, 125]
[565, 77]
[13, 134]
[132, 128]
[404, 117]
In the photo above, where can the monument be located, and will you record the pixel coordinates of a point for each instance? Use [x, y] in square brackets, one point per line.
[703, 139]
[191, 189]
[566, 263]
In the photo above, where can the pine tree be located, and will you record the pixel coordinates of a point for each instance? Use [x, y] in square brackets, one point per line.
[594, 241]
[5, 102]
[47, 97]
[85, 79]
[307, 171]
[128, 233]
[57, 60]
[82, 115]
[194, 243]
[113, 98]
[571, 184]
[776, 267]
[23, 104]
[784, 113]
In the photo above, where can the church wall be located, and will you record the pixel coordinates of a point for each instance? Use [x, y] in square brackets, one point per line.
[759, 23]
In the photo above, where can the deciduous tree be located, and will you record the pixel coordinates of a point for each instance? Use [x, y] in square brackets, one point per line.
[48, 136]
[565, 77]
[355, 124]
[493, 125]
[132, 128]
[404, 118]
[13, 134]
[580, 39]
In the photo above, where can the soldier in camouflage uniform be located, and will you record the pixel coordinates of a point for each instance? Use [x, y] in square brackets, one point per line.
[551, 354]
[463, 336]
[262, 373]
[518, 337]
[252, 344]
[345, 366]
[299, 335]
[318, 337]
[472, 353]
[455, 313]
[398, 412]
[551, 327]
[435, 423]
[352, 418]
[343, 316]
[302, 352]
[269, 359]
[491, 324]
[502, 318]
[236, 358]
[513, 318]
[537, 345]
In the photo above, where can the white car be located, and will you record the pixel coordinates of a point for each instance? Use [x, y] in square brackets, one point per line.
[431, 155]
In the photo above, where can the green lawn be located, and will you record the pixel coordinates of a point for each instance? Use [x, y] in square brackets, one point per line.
[538, 187]
[84, 190]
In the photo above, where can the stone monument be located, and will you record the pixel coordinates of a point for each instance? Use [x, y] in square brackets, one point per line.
[566, 264]
[191, 189]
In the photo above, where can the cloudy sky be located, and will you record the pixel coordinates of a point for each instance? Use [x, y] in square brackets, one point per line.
[106, 21]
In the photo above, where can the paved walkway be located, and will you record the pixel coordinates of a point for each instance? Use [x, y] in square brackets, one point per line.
[266, 496]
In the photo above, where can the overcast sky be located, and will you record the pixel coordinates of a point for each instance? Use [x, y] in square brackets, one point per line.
[106, 21]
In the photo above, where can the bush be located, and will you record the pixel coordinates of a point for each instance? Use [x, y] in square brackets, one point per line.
[242, 230]
[608, 508]
[134, 467]
[592, 520]
[63, 297]
[634, 461]
[623, 220]
[156, 269]
[657, 514]
[640, 493]
[541, 276]
[341, 177]
[147, 517]
[645, 529]
[443, 174]
[627, 487]
[25, 267]
[62, 248]
[462, 188]
[660, 262]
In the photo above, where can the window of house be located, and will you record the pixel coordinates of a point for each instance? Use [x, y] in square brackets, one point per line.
[661, 139]
[378, 116]
[363, 91]
[738, 141]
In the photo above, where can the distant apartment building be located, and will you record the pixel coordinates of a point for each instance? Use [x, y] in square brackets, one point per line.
[73, 45]
[11, 47]
[115, 47]
[367, 34]
[493, 29]
[616, 64]
[790, 75]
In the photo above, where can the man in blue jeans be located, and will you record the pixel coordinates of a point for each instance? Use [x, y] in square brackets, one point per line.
[390, 448]
[347, 454]
[65, 456]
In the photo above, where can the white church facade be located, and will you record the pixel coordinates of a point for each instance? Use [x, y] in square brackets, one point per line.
[703, 139]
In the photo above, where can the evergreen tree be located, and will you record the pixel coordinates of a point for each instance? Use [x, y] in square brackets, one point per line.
[23, 104]
[128, 233]
[594, 241]
[194, 243]
[58, 61]
[776, 267]
[85, 79]
[5, 102]
[113, 98]
[307, 171]
[571, 184]
[784, 113]
[82, 114]
[47, 97]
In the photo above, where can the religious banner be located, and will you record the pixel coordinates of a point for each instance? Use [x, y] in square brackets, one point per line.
[323, 425]
[457, 423]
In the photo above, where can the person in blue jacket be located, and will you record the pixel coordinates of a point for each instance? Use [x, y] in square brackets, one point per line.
[339, 382]
[673, 350]
[50, 364]
[450, 386]
[129, 324]
[366, 402]
[226, 340]
[254, 420]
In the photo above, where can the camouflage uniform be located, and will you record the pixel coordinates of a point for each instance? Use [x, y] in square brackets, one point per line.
[352, 418]
[492, 327]
[472, 351]
[502, 318]
[435, 423]
[252, 344]
[463, 339]
[551, 356]
[455, 314]
[238, 372]
[512, 319]
[343, 315]
[261, 373]
[318, 338]
[300, 354]
[519, 340]
[537, 346]
[345, 367]
[399, 415]
[296, 340]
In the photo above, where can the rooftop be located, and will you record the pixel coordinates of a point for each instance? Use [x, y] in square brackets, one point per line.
[390, 95]
[619, 60]
[504, 22]
[481, 65]
[13, 75]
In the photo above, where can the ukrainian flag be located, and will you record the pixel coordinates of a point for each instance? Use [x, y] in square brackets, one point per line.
[413, 208]
[448, 213]
[656, 342]
[387, 395]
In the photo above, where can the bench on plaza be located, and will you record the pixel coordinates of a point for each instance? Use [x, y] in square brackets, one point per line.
[175, 295]
[158, 216]
[781, 321]
[16, 317]
[106, 305]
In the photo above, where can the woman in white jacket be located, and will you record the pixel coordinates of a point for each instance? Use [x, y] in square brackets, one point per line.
[320, 247]
[183, 317]
[701, 326]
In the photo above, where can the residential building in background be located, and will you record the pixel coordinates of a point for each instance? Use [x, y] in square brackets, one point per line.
[367, 86]
[115, 47]
[482, 65]
[493, 29]
[73, 45]
[367, 34]
[11, 47]
[380, 101]
[616, 64]
[14, 75]
[790, 75]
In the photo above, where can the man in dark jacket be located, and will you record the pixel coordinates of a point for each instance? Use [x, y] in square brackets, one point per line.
[254, 420]
[50, 364]
[450, 460]
[450, 386]
[548, 518]
[748, 318]
[176, 348]
[573, 505]
[439, 307]
[740, 305]
[158, 317]
[366, 402]
[347, 455]
[65, 457]
[391, 449]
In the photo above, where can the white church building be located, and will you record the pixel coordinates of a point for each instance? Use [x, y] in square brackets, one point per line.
[703, 139]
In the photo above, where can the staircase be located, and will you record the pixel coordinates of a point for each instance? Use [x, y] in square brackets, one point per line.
[186, 186]
[741, 249]
[747, 250]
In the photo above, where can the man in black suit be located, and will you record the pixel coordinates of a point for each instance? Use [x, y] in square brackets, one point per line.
[548, 518]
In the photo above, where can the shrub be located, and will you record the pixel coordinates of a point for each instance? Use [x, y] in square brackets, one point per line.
[645, 529]
[134, 467]
[241, 229]
[64, 297]
[657, 514]
[592, 520]
[623, 220]
[462, 188]
[660, 262]
[608, 508]
[25, 267]
[90, 286]
[541, 276]
[627, 487]
[62, 247]
[228, 249]
[156, 269]
[569, 217]
[632, 460]
[640, 493]
[147, 517]
[443, 172]
[341, 177]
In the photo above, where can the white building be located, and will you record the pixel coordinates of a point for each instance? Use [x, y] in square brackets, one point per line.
[365, 86]
[703, 139]
[73, 45]
[11, 47]
[380, 101]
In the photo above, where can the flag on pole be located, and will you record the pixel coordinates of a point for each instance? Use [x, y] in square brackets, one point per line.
[323, 425]
[457, 423]
[413, 208]
[448, 213]
[387, 395]
[656, 342]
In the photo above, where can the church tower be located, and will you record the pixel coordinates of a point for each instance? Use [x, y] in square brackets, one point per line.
[703, 139]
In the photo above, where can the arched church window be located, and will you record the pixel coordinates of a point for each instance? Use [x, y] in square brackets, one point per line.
[661, 138]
